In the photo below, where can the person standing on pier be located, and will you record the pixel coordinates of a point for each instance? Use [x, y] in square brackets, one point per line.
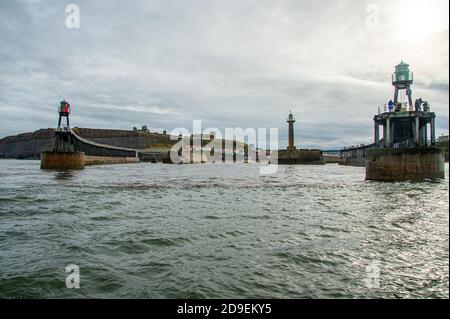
[391, 105]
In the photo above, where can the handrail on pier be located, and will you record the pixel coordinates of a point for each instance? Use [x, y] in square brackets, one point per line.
[382, 108]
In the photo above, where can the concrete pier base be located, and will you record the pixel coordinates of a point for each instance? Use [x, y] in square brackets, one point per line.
[397, 164]
[300, 157]
[62, 160]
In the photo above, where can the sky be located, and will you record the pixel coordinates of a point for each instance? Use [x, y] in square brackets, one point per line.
[228, 63]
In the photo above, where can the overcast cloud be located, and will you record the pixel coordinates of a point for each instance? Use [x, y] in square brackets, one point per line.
[230, 63]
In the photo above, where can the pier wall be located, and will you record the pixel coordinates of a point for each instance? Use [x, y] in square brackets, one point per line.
[396, 164]
[102, 160]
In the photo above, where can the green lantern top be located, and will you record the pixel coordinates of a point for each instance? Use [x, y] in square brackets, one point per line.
[402, 73]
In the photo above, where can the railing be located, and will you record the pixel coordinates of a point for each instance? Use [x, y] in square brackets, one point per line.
[358, 151]
[408, 143]
[382, 109]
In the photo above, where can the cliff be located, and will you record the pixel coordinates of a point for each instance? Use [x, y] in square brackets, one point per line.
[27, 145]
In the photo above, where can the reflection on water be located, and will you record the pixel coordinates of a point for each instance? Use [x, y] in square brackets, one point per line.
[186, 231]
[64, 174]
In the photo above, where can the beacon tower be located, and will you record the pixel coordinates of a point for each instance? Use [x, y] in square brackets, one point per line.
[291, 121]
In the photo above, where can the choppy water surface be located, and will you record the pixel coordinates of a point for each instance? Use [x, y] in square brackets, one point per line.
[194, 231]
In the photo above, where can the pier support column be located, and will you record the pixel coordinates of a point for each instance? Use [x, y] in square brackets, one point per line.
[421, 141]
[377, 132]
[409, 94]
[433, 131]
[388, 133]
[392, 134]
[395, 96]
[416, 130]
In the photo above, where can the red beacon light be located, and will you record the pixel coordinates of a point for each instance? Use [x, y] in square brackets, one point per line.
[64, 111]
[64, 107]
